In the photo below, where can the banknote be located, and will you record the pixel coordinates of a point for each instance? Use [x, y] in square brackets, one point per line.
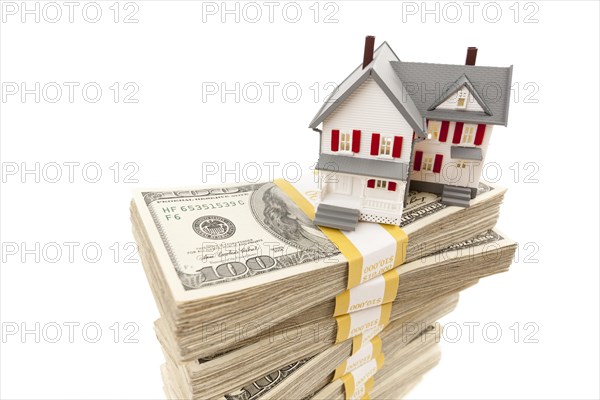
[218, 235]
[259, 387]
[423, 204]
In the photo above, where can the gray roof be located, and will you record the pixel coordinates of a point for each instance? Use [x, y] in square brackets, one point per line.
[363, 166]
[382, 72]
[430, 84]
[466, 153]
[416, 89]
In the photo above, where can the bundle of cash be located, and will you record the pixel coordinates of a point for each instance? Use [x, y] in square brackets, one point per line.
[256, 302]
[303, 378]
[421, 282]
[205, 250]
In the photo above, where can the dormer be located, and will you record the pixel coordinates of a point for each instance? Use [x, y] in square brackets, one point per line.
[461, 95]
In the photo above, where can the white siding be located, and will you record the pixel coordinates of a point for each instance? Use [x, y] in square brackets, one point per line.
[370, 110]
[450, 174]
[450, 104]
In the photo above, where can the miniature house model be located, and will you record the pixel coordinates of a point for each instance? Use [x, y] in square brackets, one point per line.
[392, 125]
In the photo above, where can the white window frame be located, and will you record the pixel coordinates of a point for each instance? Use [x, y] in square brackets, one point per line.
[381, 184]
[468, 134]
[348, 136]
[386, 144]
[462, 96]
[433, 129]
[427, 162]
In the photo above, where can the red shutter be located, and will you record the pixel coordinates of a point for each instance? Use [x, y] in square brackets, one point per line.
[479, 134]
[392, 186]
[371, 183]
[355, 141]
[457, 132]
[375, 144]
[418, 160]
[397, 149]
[437, 164]
[335, 139]
[444, 131]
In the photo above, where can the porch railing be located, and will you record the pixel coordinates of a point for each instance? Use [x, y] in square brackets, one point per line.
[381, 204]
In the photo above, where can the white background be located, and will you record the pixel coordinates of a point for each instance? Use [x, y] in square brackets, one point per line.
[171, 131]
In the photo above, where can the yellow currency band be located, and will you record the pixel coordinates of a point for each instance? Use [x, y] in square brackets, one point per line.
[355, 267]
[401, 242]
[357, 344]
[348, 250]
[350, 385]
[349, 388]
[344, 322]
[377, 348]
[368, 387]
[346, 247]
[392, 281]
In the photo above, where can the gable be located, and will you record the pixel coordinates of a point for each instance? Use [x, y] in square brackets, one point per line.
[430, 85]
[451, 103]
[463, 90]
[381, 71]
[368, 108]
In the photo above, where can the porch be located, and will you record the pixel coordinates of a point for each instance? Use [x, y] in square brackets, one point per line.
[353, 192]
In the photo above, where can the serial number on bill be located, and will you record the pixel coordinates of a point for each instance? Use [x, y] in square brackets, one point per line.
[212, 206]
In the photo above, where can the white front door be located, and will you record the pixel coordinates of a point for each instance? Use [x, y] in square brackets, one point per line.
[343, 184]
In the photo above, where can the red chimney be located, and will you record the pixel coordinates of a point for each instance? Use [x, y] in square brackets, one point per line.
[471, 56]
[369, 47]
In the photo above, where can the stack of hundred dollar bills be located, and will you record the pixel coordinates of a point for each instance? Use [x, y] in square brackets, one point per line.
[251, 293]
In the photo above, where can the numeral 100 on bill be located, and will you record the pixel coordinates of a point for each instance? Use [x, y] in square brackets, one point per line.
[236, 269]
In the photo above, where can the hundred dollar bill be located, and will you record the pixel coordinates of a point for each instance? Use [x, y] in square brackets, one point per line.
[232, 255]
[216, 236]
